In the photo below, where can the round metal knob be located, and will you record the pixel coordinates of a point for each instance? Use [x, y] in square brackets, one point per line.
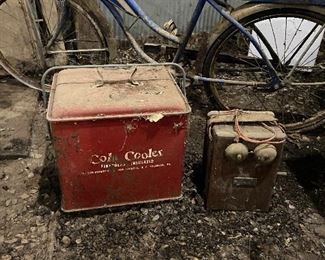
[237, 152]
[265, 153]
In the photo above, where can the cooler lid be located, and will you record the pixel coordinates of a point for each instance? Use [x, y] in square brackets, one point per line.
[98, 93]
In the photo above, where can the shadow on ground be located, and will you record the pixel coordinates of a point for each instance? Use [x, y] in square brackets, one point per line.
[310, 173]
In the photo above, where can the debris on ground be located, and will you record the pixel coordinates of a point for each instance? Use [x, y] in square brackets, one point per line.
[33, 227]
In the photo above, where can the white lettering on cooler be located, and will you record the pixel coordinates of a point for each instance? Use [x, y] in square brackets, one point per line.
[98, 159]
[132, 156]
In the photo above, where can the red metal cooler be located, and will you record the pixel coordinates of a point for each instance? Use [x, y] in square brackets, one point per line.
[119, 135]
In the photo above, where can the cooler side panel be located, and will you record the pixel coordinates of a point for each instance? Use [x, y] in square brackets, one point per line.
[122, 161]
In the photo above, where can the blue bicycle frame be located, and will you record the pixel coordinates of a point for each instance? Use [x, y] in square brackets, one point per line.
[131, 7]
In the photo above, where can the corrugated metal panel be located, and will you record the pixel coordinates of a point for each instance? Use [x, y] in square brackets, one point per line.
[163, 10]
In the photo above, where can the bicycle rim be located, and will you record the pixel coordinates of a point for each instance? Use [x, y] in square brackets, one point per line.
[25, 33]
[281, 32]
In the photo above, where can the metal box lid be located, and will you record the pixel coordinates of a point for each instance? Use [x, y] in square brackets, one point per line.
[251, 131]
[99, 93]
[259, 125]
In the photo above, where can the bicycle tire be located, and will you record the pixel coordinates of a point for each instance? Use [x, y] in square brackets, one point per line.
[87, 14]
[289, 102]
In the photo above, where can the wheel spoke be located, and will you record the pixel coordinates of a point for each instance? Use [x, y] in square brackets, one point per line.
[307, 60]
[274, 38]
[293, 37]
[300, 45]
[274, 55]
[22, 63]
[284, 36]
[285, 40]
[256, 58]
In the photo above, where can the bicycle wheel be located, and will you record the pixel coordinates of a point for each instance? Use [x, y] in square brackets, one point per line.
[290, 35]
[27, 27]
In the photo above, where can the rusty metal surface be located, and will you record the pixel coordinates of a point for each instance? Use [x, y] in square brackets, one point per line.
[243, 116]
[244, 185]
[119, 161]
[99, 93]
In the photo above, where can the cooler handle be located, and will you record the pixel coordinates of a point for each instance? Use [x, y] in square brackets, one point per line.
[56, 68]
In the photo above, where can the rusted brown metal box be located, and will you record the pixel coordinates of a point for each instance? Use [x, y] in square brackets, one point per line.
[242, 152]
[119, 135]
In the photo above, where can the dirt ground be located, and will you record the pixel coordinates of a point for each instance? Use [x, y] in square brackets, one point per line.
[32, 226]
[17, 110]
